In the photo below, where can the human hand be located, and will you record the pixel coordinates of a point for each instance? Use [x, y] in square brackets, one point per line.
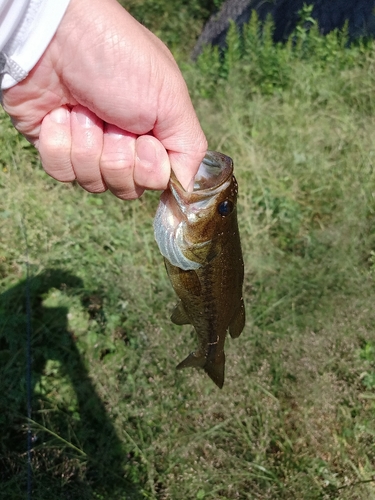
[107, 105]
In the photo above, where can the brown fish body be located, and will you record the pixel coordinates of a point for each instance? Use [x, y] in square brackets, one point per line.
[203, 258]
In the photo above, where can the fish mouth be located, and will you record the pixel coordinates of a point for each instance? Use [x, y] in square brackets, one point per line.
[214, 174]
[214, 171]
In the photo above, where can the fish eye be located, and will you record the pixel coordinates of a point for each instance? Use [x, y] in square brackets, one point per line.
[225, 208]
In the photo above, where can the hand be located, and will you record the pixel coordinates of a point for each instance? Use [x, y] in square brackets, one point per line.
[107, 105]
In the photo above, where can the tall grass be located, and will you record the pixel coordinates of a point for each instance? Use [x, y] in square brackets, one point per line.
[111, 416]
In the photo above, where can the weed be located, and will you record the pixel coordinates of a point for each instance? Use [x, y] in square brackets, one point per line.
[111, 416]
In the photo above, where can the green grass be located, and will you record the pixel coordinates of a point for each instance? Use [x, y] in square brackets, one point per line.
[111, 416]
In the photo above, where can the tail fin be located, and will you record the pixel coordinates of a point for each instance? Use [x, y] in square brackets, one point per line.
[213, 367]
[215, 370]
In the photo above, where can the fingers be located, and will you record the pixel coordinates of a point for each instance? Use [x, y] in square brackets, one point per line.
[87, 146]
[70, 146]
[76, 145]
[129, 165]
[152, 167]
[117, 163]
[55, 143]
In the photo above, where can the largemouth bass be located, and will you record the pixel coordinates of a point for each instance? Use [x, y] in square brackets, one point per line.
[197, 233]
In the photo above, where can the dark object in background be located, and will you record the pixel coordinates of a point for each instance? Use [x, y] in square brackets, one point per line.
[330, 14]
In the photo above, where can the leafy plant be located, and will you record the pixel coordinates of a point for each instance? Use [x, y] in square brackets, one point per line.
[177, 23]
[251, 55]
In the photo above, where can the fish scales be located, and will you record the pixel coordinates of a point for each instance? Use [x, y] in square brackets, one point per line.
[198, 235]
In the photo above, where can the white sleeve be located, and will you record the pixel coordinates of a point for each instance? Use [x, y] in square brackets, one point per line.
[26, 28]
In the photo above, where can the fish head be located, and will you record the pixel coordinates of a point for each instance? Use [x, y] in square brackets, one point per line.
[191, 227]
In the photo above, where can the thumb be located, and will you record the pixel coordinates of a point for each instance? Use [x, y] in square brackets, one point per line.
[182, 136]
[186, 150]
[185, 165]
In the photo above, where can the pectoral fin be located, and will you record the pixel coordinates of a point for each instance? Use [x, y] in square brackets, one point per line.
[238, 322]
[179, 316]
[204, 256]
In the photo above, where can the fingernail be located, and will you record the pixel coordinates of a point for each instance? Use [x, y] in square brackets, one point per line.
[117, 135]
[113, 131]
[147, 154]
[59, 115]
[84, 119]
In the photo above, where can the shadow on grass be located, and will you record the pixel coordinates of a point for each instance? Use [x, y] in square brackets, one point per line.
[76, 451]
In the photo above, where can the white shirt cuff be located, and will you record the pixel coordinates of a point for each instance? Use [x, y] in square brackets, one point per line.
[27, 39]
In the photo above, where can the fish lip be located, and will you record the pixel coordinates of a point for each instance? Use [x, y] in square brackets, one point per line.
[212, 158]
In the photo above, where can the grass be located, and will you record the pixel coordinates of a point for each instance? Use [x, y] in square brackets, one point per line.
[111, 416]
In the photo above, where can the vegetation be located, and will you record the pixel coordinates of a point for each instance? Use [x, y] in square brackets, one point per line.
[177, 23]
[111, 418]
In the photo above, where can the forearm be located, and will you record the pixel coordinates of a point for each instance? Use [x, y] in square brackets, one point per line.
[26, 28]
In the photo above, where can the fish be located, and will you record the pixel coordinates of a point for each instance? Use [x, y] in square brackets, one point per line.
[197, 234]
